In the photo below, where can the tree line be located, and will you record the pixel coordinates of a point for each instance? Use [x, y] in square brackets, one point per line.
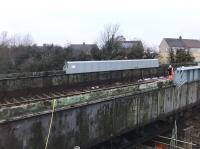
[180, 56]
[18, 53]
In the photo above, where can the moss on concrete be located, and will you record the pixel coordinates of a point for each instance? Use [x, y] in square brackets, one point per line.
[20, 111]
[37, 140]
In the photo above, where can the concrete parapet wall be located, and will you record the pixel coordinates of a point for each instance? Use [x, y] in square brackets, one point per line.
[94, 117]
[31, 74]
[37, 80]
[53, 79]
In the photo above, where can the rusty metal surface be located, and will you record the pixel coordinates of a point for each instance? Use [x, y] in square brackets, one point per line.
[62, 92]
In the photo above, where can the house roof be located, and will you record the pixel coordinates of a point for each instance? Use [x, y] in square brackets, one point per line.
[130, 44]
[191, 43]
[182, 43]
[82, 47]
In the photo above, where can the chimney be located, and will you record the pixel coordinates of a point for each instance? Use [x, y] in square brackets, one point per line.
[83, 43]
[180, 38]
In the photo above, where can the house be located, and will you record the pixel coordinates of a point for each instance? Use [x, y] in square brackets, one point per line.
[127, 46]
[173, 44]
[77, 49]
[130, 44]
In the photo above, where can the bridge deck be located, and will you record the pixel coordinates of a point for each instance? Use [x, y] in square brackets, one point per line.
[94, 117]
[61, 91]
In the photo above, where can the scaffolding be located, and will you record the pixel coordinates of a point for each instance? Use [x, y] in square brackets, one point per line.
[174, 142]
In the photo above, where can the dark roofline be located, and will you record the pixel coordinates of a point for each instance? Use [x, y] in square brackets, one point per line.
[182, 43]
[132, 41]
[182, 39]
[82, 44]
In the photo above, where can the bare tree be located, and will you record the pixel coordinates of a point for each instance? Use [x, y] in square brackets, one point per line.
[27, 40]
[4, 41]
[15, 40]
[108, 36]
[68, 43]
[21, 40]
[150, 52]
[110, 41]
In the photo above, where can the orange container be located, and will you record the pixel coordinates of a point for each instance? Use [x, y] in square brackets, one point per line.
[161, 146]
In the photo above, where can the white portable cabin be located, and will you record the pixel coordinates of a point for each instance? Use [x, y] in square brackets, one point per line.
[74, 67]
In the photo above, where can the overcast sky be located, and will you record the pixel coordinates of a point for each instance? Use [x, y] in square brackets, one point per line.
[77, 21]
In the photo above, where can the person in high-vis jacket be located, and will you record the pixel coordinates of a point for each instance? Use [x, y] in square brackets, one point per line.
[170, 72]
